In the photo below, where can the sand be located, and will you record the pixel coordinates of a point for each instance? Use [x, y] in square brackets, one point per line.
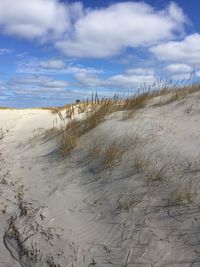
[144, 210]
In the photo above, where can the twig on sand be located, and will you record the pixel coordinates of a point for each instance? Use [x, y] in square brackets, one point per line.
[128, 257]
[168, 212]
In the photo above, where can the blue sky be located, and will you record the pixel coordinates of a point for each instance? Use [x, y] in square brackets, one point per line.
[53, 52]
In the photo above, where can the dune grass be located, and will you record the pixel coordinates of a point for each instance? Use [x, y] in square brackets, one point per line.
[183, 196]
[127, 202]
[140, 162]
[70, 134]
[113, 154]
[2, 108]
[96, 110]
[95, 149]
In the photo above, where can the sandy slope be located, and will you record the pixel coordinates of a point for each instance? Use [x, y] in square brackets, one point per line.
[144, 211]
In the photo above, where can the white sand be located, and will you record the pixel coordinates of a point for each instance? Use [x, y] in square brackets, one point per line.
[76, 212]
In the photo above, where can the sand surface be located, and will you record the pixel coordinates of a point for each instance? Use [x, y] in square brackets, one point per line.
[142, 211]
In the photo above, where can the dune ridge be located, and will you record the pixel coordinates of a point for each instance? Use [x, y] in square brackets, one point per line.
[126, 194]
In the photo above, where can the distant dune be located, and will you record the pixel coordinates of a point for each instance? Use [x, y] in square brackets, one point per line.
[111, 183]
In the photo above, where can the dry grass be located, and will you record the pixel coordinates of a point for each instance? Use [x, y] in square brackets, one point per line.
[157, 175]
[96, 110]
[50, 133]
[113, 154]
[175, 93]
[141, 162]
[181, 198]
[95, 149]
[126, 204]
[128, 201]
[67, 143]
[97, 115]
[179, 93]
[136, 101]
[153, 172]
[6, 108]
[70, 135]
[68, 138]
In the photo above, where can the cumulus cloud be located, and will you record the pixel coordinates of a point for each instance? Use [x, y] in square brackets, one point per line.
[82, 32]
[34, 19]
[179, 68]
[177, 13]
[52, 64]
[108, 31]
[186, 51]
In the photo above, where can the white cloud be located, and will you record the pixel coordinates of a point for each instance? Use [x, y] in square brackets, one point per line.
[34, 19]
[197, 73]
[56, 84]
[186, 51]
[29, 66]
[5, 51]
[179, 68]
[108, 31]
[177, 13]
[82, 32]
[131, 79]
[28, 91]
[39, 83]
[89, 79]
[54, 64]
[140, 71]
[181, 77]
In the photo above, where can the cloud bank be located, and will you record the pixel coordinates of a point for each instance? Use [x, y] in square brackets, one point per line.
[97, 33]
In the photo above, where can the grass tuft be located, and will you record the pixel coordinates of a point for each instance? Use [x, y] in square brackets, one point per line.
[141, 163]
[95, 149]
[68, 138]
[113, 154]
[182, 198]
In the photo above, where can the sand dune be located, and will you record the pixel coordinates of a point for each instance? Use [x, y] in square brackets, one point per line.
[141, 209]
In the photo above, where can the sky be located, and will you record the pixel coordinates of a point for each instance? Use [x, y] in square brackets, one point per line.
[53, 52]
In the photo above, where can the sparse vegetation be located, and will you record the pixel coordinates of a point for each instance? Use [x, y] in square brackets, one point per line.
[68, 138]
[95, 149]
[97, 115]
[70, 135]
[50, 133]
[129, 201]
[141, 162]
[182, 198]
[136, 101]
[156, 175]
[113, 154]
[96, 110]
[121, 198]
